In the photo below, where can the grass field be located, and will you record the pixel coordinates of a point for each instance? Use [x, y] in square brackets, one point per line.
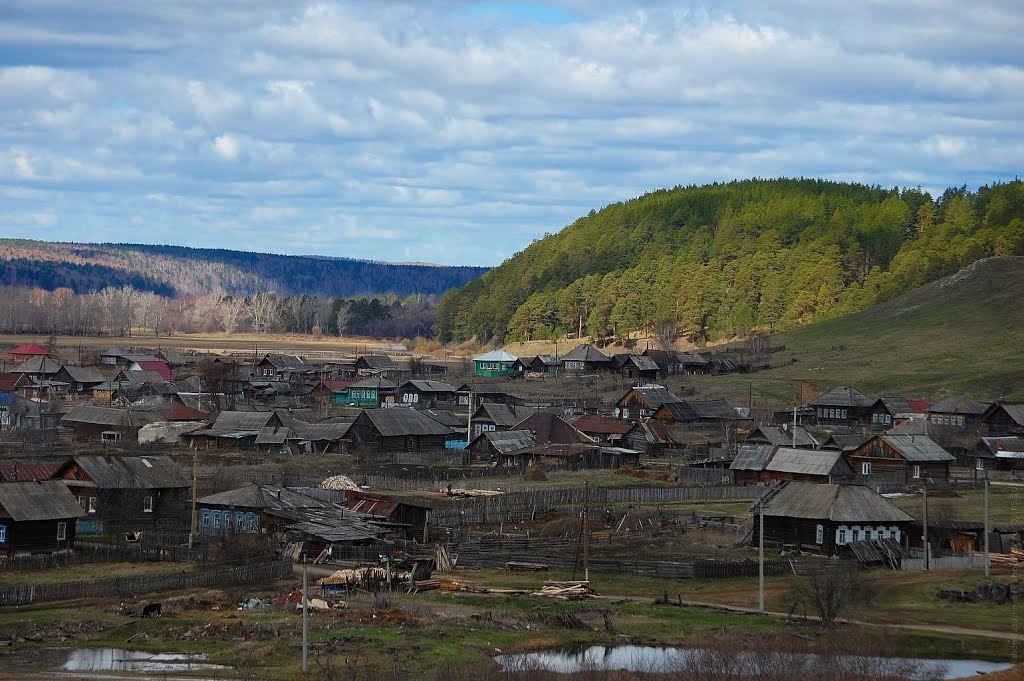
[1006, 505]
[89, 572]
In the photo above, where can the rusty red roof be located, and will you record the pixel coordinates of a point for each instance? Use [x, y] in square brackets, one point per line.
[9, 381]
[29, 350]
[595, 423]
[157, 365]
[176, 411]
[27, 471]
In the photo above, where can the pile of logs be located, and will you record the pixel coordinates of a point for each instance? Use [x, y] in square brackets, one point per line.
[566, 591]
[444, 561]
[1015, 558]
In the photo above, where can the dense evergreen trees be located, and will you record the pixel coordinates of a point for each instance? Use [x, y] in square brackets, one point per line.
[727, 259]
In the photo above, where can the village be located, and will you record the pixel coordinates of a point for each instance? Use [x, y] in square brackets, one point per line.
[390, 473]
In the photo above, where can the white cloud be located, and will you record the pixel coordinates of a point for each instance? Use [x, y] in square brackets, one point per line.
[464, 134]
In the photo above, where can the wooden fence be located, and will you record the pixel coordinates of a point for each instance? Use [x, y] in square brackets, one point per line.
[84, 553]
[707, 476]
[127, 587]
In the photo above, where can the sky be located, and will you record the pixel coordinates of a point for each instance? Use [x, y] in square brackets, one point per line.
[458, 132]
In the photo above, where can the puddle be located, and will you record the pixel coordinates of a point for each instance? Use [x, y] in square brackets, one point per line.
[116, 659]
[653, 659]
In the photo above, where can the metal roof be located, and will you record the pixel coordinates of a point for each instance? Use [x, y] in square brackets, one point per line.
[242, 420]
[808, 462]
[917, 447]
[43, 500]
[752, 457]
[263, 497]
[509, 440]
[653, 395]
[40, 364]
[838, 503]
[85, 374]
[782, 436]
[312, 432]
[495, 356]
[427, 386]
[958, 404]
[109, 416]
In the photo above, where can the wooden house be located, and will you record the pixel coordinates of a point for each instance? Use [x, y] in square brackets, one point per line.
[235, 430]
[25, 352]
[843, 406]
[667, 361]
[958, 412]
[545, 364]
[824, 518]
[549, 428]
[574, 456]
[377, 365]
[692, 364]
[495, 363]
[412, 518]
[643, 401]
[698, 413]
[750, 461]
[157, 366]
[808, 465]
[398, 430]
[39, 368]
[782, 436]
[601, 428]
[1005, 453]
[372, 391]
[912, 457]
[80, 380]
[495, 417]
[494, 393]
[586, 359]
[650, 437]
[497, 445]
[1002, 418]
[262, 509]
[128, 493]
[425, 394]
[636, 367]
[277, 367]
[107, 424]
[37, 517]
[885, 411]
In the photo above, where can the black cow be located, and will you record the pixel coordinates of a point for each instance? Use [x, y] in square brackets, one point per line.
[153, 609]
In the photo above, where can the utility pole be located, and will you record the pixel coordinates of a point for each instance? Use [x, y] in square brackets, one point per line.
[305, 616]
[987, 568]
[924, 537]
[586, 531]
[794, 427]
[192, 527]
[760, 553]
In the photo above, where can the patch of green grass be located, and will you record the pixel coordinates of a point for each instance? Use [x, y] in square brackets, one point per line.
[1006, 505]
[90, 572]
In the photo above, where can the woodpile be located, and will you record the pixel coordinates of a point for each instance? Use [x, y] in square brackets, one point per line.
[1015, 558]
[566, 591]
[519, 566]
[424, 585]
[444, 561]
[464, 588]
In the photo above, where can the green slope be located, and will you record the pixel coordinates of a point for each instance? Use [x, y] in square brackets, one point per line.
[724, 260]
[962, 334]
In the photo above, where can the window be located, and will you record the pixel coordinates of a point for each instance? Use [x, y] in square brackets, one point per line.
[819, 534]
[240, 520]
[979, 464]
[206, 518]
[92, 504]
[821, 413]
[960, 421]
[888, 418]
[844, 414]
[865, 468]
[3, 534]
[917, 471]
[83, 501]
[856, 534]
[147, 504]
[62, 531]
[216, 518]
[841, 536]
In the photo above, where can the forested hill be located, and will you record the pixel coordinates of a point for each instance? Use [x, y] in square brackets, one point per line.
[727, 259]
[176, 270]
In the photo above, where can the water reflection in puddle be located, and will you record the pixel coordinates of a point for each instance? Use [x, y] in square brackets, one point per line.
[655, 659]
[116, 659]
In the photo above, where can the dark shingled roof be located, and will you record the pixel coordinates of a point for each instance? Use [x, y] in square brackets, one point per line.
[843, 396]
[808, 462]
[838, 503]
[917, 447]
[109, 416]
[585, 353]
[505, 441]
[131, 472]
[503, 415]
[40, 364]
[894, 405]
[427, 387]
[293, 363]
[45, 500]
[701, 410]
[379, 362]
[399, 422]
[653, 395]
[958, 404]
[601, 425]
[782, 437]
[551, 428]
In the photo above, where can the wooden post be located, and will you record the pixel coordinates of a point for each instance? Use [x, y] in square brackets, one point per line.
[987, 568]
[305, 616]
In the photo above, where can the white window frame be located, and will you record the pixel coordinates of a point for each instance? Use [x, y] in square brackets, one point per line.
[62, 531]
[979, 464]
[917, 471]
[3, 533]
[865, 468]
[819, 534]
[841, 535]
[92, 504]
[147, 503]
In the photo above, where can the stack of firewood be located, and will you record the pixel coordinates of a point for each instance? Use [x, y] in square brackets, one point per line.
[1015, 558]
[444, 561]
[566, 591]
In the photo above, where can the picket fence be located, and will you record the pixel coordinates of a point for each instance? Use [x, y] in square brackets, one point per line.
[127, 587]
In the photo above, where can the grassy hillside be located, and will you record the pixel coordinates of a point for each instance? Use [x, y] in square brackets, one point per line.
[176, 270]
[960, 334]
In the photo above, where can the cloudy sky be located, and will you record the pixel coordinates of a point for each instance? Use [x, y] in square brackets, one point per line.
[457, 132]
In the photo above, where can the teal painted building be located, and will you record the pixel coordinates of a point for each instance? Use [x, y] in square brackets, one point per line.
[369, 392]
[495, 363]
